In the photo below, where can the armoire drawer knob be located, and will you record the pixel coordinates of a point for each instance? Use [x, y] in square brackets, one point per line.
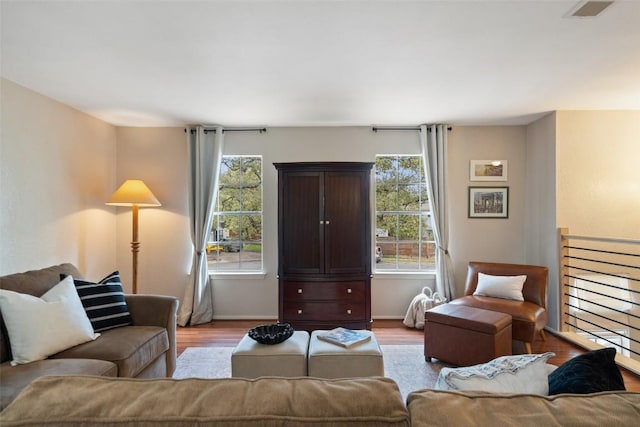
[349, 290]
[299, 291]
[349, 311]
[299, 311]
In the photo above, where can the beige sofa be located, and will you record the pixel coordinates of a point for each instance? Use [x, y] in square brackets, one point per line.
[145, 350]
[278, 401]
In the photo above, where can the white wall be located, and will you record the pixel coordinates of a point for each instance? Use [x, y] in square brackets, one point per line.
[57, 168]
[158, 155]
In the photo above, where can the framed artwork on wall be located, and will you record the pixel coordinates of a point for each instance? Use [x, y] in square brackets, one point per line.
[488, 170]
[488, 202]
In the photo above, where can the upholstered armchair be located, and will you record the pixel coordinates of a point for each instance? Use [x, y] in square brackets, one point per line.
[529, 316]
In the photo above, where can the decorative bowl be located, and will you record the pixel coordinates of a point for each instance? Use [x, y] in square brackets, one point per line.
[271, 334]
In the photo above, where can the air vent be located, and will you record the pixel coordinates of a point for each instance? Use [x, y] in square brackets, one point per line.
[590, 9]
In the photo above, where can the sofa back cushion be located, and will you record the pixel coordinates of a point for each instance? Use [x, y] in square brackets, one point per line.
[36, 283]
[469, 409]
[266, 401]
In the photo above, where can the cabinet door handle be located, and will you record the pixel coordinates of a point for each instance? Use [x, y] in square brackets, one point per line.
[348, 290]
[299, 291]
[348, 311]
[326, 222]
[321, 222]
[299, 311]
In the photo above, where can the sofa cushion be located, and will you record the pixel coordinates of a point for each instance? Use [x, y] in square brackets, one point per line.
[14, 378]
[132, 348]
[41, 326]
[266, 401]
[589, 372]
[104, 302]
[481, 409]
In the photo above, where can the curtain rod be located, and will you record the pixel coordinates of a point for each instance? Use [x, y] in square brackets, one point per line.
[377, 128]
[207, 130]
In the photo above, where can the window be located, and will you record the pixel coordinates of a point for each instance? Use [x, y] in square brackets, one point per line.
[404, 235]
[235, 242]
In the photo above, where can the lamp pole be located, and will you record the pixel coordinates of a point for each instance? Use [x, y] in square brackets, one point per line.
[135, 247]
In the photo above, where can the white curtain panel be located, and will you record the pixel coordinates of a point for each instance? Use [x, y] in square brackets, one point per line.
[433, 146]
[205, 156]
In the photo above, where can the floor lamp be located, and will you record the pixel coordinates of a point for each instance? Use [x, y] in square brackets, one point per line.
[136, 194]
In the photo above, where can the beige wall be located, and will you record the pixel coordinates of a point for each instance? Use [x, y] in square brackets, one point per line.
[159, 157]
[540, 234]
[485, 239]
[598, 173]
[57, 168]
[582, 173]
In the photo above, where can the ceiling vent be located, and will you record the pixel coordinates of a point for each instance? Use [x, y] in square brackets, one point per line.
[590, 9]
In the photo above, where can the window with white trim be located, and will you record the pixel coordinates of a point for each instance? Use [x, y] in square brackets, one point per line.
[235, 242]
[404, 235]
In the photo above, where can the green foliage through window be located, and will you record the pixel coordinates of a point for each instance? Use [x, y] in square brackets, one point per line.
[404, 235]
[235, 243]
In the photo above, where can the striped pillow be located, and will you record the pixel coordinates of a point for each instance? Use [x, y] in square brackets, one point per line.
[104, 302]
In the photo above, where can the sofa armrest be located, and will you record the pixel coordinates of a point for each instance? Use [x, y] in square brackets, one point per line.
[156, 310]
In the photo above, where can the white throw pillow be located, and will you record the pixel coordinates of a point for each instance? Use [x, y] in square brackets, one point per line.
[40, 327]
[506, 287]
[526, 373]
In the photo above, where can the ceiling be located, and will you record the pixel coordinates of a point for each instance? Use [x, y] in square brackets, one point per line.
[323, 63]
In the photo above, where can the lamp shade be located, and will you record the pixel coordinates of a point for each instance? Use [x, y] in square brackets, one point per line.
[133, 192]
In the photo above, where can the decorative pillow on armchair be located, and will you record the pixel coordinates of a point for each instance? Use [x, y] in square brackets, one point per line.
[590, 372]
[506, 287]
[104, 302]
[40, 327]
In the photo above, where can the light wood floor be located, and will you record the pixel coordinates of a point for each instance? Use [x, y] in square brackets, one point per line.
[228, 333]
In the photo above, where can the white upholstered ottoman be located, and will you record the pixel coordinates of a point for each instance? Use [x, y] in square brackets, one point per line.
[251, 359]
[326, 360]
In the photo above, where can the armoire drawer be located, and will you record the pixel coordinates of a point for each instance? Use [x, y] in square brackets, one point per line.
[334, 310]
[307, 291]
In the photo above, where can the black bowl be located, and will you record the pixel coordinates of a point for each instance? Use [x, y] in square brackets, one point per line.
[271, 334]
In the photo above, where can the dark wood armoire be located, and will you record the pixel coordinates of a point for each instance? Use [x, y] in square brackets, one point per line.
[324, 245]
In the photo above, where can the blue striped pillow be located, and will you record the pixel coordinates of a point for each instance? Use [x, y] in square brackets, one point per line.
[104, 302]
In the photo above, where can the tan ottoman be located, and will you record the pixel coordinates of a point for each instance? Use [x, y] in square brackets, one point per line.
[250, 359]
[464, 335]
[326, 360]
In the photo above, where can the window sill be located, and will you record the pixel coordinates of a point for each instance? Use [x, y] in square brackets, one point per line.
[238, 275]
[394, 275]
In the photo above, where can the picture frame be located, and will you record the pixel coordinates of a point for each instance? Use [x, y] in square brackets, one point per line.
[488, 202]
[488, 170]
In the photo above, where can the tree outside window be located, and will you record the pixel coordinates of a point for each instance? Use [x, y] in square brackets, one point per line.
[404, 234]
[235, 242]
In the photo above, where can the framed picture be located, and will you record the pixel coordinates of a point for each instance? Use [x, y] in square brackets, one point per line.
[488, 170]
[488, 202]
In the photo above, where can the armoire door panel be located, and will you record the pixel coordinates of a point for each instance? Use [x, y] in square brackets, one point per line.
[302, 234]
[345, 212]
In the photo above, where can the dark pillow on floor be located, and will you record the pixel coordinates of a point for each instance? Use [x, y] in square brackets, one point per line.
[590, 372]
[104, 302]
